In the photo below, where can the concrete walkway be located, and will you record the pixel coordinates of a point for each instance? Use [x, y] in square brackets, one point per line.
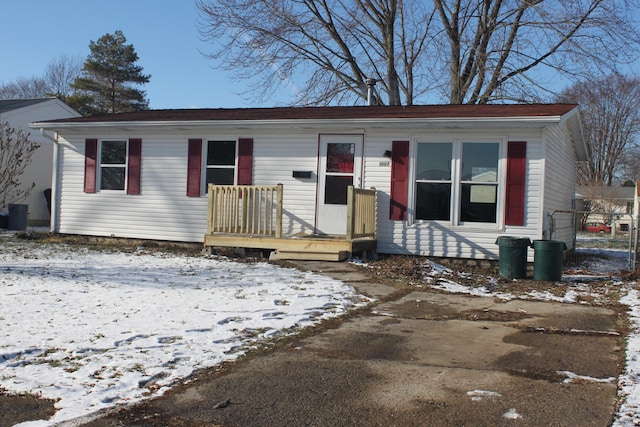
[417, 359]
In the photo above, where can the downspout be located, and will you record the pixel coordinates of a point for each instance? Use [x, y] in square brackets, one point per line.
[53, 227]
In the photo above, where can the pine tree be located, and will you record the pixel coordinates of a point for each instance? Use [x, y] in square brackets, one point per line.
[108, 80]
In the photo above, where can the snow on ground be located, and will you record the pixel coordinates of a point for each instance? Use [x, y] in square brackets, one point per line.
[604, 266]
[629, 381]
[93, 329]
[97, 329]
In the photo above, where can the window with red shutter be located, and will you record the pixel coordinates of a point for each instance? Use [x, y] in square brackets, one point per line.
[221, 158]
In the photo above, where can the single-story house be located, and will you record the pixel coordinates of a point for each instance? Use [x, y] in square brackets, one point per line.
[612, 205]
[437, 180]
[19, 113]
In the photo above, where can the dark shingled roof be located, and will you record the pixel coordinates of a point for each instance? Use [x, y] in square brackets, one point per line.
[324, 113]
[14, 104]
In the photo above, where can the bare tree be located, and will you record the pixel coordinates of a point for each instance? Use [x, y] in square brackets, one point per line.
[630, 165]
[61, 73]
[335, 44]
[16, 150]
[611, 122]
[499, 50]
[34, 87]
[462, 51]
[58, 76]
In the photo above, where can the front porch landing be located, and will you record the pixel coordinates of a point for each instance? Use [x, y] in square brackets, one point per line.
[251, 217]
[310, 248]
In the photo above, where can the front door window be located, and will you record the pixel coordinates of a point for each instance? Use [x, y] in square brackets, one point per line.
[339, 172]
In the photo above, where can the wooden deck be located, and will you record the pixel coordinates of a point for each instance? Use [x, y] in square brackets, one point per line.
[251, 217]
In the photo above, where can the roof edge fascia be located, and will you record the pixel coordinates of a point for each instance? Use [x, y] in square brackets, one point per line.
[535, 120]
[573, 119]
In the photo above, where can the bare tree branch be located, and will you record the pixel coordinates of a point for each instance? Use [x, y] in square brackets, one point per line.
[335, 45]
[16, 151]
[611, 124]
[473, 51]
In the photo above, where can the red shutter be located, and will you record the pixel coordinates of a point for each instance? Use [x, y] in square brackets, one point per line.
[194, 167]
[516, 175]
[245, 161]
[133, 166]
[399, 180]
[90, 165]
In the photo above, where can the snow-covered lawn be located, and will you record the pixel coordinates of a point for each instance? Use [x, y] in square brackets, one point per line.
[96, 329]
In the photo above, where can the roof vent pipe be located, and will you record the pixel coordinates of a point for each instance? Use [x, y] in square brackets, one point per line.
[371, 98]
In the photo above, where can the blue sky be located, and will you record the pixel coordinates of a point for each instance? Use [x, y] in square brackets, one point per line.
[163, 33]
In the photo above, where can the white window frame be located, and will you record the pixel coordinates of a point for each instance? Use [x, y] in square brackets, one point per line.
[456, 181]
[206, 166]
[124, 166]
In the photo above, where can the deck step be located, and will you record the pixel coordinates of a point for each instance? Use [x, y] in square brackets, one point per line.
[309, 256]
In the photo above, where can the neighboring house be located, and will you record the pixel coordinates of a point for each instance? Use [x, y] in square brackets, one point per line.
[19, 113]
[449, 179]
[605, 204]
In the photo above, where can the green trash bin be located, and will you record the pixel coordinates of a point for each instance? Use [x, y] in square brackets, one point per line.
[547, 259]
[513, 256]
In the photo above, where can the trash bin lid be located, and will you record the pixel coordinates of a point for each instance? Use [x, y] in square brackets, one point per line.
[513, 242]
[551, 245]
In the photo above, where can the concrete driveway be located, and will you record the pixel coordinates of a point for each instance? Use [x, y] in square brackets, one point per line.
[417, 359]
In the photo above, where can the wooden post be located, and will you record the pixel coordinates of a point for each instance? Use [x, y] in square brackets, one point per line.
[211, 209]
[350, 212]
[244, 197]
[279, 212]
[374, 216]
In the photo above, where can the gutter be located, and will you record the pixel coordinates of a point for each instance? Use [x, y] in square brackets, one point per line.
[388, 123]
[53, 226]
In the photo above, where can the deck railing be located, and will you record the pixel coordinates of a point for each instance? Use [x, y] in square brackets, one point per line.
[257, 210]
[245, 209]
[361, 213]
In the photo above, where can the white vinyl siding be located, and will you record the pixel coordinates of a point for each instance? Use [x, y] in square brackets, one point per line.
[560, 178]
[275, 157]
[163, 211]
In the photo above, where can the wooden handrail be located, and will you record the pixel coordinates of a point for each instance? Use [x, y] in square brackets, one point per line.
[361, 213]
[257, 211]
[245, 209]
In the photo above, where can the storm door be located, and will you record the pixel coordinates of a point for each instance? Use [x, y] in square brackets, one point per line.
[339, 166]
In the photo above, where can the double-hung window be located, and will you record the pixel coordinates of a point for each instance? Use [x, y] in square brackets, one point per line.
[113, 165]
[434, 181]
[479, 182]
[221, 162]
[457, 182]
[218, 162]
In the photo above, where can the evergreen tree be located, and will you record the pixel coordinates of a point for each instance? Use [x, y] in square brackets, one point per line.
[108, 80]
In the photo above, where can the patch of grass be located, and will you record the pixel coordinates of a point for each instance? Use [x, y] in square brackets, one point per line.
[112, 244]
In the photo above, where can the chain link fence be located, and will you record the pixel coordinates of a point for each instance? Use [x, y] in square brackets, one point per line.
[593, 231]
